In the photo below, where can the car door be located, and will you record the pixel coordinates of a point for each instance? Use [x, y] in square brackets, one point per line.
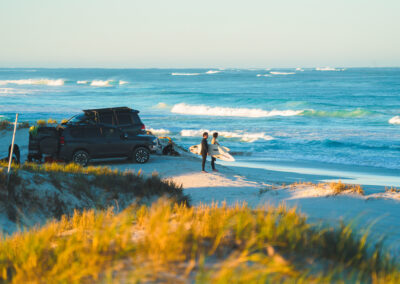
[115, 143]
[93, 141]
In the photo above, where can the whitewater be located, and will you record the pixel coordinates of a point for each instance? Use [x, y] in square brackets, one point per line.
[326, 116]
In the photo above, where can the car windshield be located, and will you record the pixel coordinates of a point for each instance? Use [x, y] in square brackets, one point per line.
[81, 119]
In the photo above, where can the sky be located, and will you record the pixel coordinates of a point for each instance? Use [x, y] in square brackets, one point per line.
[206, 33]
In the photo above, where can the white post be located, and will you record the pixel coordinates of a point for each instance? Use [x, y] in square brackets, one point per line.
[12, 149]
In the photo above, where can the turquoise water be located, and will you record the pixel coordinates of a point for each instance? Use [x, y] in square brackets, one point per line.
[330, 116]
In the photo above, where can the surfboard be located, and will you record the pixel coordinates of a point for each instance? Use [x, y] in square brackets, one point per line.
[216, 151]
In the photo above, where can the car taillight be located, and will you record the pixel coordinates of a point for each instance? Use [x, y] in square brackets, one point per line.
[62, 140]
[143, 127]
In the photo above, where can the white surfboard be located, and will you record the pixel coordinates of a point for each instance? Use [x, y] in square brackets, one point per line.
[215, 151]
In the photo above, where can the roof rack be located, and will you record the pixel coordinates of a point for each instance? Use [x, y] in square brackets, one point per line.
[111, 109]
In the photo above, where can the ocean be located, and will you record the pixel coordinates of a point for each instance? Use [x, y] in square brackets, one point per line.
[336, 119]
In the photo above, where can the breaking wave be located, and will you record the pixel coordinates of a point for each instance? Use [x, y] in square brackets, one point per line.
[281, 73]
[185, 74]
[212, 72]
[48, 82]
[395, 120]
[263, 75]
[100, 83]
[242, 136]
[159, 131]
[82, 82]
[329, 69]
[183, 108]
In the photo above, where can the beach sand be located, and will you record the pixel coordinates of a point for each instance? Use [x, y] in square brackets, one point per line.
[377, 210]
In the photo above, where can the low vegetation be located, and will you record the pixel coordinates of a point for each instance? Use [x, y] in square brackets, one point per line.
[45, 191]
[339, 187]
[335, 187]
[5, 124]
[392, 189]
[175, 243]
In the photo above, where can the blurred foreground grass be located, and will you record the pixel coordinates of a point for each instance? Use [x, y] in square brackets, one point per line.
[172, 242]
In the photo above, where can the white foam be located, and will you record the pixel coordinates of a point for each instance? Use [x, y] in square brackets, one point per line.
[395, 120]
[159, 131]
[263, 75]
[183, 108]
[48, 82]
[212, 72]
[123, 82]
[10, 91]
[185, 74]
[100, 83]
[243, 136]
[281, 73]
[327, 68]
[82, 82]
[299, 69]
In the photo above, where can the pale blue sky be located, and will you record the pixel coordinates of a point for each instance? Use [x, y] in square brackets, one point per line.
[206, 33]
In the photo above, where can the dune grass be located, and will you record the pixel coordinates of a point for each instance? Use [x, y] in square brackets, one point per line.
[174, 243]
[336, 187]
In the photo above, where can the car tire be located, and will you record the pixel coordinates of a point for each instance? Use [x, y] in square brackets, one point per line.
[81, 158]
[141, 155]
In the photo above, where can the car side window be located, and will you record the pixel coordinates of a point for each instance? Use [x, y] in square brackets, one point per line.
[107, 118]
[136, 119]
[124, 119]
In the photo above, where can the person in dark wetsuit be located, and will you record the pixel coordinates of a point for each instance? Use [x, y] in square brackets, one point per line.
[204, 151]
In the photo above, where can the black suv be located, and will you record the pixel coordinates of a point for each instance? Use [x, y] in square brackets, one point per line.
[86, 137]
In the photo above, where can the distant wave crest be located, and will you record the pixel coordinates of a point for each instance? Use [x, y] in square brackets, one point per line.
[184, 74]
[281, 73]
[101, 83]
[242, 136]
[395, 120]
[212, 72]
[159, 131]
[183, 108]
[327, 68]
[48, 82]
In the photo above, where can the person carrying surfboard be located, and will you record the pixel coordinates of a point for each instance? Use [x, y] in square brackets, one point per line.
[215, 142]
[204, 151]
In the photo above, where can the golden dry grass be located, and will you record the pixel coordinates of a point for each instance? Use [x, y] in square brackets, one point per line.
[174, 243]
[336, 187]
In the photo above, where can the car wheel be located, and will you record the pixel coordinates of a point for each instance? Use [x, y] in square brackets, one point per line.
[81, 158]
[141, 155]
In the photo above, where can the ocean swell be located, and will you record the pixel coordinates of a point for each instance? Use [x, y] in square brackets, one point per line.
[183, 108]
[338, 113]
